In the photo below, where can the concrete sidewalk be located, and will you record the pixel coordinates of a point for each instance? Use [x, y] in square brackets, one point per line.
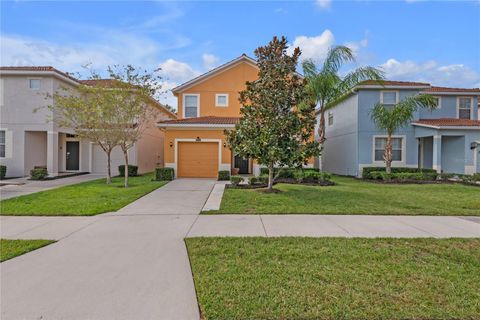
[334, 226]
[24, 186]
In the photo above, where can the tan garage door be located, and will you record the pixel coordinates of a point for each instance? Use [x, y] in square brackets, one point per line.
[198, 159]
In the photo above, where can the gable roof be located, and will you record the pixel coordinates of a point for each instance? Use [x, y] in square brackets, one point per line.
[211, 73]
[37, 69]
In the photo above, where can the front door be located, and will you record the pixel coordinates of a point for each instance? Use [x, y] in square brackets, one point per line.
[73, 155]
[241, 164]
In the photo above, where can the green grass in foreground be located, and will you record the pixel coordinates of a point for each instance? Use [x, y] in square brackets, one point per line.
[351, 196]
[12, 248]
[83, 199]
[336, 278]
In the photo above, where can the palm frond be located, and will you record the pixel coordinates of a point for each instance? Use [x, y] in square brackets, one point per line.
[336, 57]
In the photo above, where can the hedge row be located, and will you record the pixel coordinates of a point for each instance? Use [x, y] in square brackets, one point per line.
[286, 172]
[132, 170]
[366, 172]
[403, 176]
[164, 174]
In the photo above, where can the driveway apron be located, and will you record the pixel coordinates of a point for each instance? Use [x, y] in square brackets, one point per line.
[131, 264]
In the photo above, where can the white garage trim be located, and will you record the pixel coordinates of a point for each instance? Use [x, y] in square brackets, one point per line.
[219, 141]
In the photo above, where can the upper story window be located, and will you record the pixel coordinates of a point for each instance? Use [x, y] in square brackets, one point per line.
[330, 118]
[389, 99]
[191, 105]
[221, 100]
[2, 144]
[380, 145]
[464, 108]
[34, 84]
[439, 102]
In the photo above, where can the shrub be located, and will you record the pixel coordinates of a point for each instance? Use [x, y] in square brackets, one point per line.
[132, 170]
[263, 179]
[446, 176]
[3, 171]
[164, 174]
[38, 173]
[367, 171]
[252, 180]
[223, 175]
[403, 176]
[476, 176]
[286, 173]
[236, 180]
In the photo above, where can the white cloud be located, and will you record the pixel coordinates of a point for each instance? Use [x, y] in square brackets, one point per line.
[323, 4]
[70, 57]
[210, 61]
[315, 48]
[177, 71]
[453, 75]
[174, 73]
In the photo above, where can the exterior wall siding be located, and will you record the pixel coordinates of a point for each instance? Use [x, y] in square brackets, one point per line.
[340, 154]
[230, 81]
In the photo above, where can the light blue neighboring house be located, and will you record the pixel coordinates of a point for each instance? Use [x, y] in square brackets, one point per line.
[446, 139]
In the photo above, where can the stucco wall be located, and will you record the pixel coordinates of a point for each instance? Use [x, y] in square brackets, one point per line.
[340, 149]
[453, 154]
[230, 81]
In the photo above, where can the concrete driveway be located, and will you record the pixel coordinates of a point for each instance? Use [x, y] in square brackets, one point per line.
[23, 186]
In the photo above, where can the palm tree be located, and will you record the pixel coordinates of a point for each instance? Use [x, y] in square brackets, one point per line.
[325, 87]
[391, 119]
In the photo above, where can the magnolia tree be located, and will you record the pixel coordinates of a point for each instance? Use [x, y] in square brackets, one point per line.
[109, 112]
[276, 126]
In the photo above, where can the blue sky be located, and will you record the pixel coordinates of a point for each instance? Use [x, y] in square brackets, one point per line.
[437, 42]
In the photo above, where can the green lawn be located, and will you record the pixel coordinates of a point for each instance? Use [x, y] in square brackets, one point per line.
[83, 199]
[351, 196]
[12, 248]
[336, 278]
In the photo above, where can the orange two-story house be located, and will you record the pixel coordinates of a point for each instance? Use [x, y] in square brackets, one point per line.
[195, 143]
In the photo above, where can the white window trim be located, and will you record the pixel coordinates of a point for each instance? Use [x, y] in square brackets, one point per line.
[395, 163]
[36, 89]
[397, 95]
[198, 104]
[328, 118]
[216, 100]
[8, 143]
[458, 106]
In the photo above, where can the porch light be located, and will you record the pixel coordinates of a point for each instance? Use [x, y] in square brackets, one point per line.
[473, 145]
[224, 144]
[171, 144]
[198, 139]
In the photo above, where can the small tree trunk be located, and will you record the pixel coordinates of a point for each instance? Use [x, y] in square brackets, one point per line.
[388, 154]
[109, 170]
[321, 128]
[125, 155]
[270, 176]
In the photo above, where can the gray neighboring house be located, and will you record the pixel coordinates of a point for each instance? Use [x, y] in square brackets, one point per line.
[28, 139]
[446, 139]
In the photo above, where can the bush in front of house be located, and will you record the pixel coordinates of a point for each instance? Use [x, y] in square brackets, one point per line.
[164, 174]
[286, 173]
[132, 170]
[312, 176]
[236, 180]
[223, 175]
[3, 171]
[367, 171]
[38, 173]
[403, 176]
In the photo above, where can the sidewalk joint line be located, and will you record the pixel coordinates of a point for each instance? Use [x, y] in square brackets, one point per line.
[263, 225]
[338, 225]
